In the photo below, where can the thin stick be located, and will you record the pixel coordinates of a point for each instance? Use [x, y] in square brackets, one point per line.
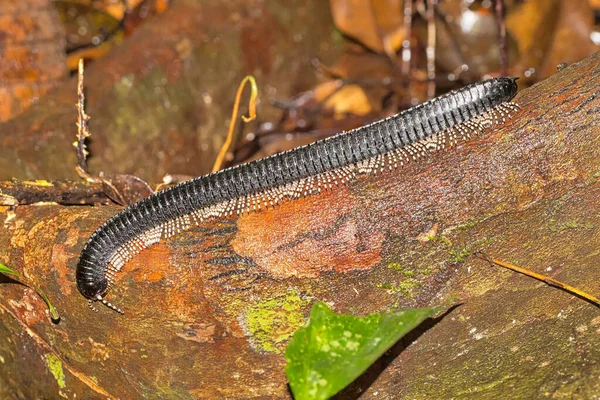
[252, 111]
[502, 37]
[82, 119]
[406, 43]
[15, 192]
[82, 130]
[543, 278]
[431, 32]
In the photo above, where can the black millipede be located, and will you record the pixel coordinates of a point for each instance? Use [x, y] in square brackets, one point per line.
[391, 142]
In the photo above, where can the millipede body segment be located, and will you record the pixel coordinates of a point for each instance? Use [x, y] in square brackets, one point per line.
[389, 143]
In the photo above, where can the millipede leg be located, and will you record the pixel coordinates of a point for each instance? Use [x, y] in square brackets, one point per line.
[109, 305]
[91, 306]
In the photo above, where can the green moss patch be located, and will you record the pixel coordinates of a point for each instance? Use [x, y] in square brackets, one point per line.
[271, 322]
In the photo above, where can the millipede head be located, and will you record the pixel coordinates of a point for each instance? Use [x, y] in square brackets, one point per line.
[505, 89]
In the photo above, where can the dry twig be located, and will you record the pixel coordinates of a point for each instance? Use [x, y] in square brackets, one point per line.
[406, 44]
[543, 278]
[252, 111]
[502, 37]
[431, 32]
[82, 129]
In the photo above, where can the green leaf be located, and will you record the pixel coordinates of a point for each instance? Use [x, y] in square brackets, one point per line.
[5, 270]
[333, 349]
[53, 312]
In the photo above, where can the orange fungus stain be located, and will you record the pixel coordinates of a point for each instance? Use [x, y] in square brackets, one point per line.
[308, 236]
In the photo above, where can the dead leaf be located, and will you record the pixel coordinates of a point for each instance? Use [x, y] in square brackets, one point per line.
[114, 8]
[125, 189]
[375, 73]
[350, 99]
[94, 27]
[86, 25]
[372, 23]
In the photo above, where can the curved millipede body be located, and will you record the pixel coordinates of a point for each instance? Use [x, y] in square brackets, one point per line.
[391, 142]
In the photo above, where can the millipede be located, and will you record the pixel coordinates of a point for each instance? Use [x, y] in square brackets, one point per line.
[389, 143]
